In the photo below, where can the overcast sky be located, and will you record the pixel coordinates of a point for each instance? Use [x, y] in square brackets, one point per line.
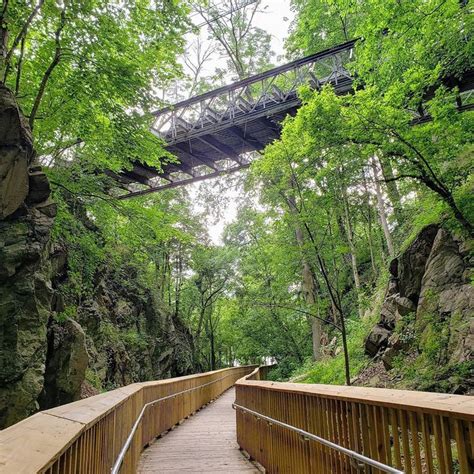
[276, 20]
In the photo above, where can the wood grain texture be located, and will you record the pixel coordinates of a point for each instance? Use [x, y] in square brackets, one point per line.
[417, 432]
[204, 443]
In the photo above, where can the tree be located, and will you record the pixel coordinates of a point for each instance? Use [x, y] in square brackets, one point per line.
[245, 47]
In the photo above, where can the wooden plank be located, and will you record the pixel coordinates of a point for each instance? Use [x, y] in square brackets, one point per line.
[205, 442]
[415, 441]
[461, 445]
[447, 436]
[459, 406]
[31, 444]
[405, 441]
[439, 446]
[428, 451]
[396, 439]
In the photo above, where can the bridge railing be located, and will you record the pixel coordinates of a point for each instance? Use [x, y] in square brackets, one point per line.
[326, 429]
[88, 436]
[255, 96]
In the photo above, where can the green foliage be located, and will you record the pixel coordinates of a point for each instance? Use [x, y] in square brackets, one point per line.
[94, 379]
[68, 313]
[135, 341]
[331, 370]
[428, 342]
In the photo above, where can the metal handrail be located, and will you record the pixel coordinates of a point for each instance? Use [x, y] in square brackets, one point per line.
[258, 77]
[325, 442]
[118, 463]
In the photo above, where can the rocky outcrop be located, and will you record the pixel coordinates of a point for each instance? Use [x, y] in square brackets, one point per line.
[403, 291]
[66, 364]
[16, 153]
[56, 346]
[447, 296]
[431, 301]
[26, 219]
[129, 336]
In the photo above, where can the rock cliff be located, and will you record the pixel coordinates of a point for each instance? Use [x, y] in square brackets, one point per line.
[26, 218]
[49, 353]
[425, 335]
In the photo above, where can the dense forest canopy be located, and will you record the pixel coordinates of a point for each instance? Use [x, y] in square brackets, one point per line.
[300, 274]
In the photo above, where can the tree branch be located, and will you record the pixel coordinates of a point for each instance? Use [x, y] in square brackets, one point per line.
[20, 36]
[51, 67]
[291, 308]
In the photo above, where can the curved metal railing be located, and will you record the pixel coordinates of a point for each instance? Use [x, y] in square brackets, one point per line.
[118, 463]
[110, 430]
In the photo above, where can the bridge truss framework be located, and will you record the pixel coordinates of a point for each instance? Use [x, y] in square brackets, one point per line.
[221, 131]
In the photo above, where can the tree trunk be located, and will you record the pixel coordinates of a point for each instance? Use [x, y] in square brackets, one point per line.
[392, 189]
[309, 293]
[3, 39]
[350, 239]
[381, 208]
[369, 227]
[213, 349]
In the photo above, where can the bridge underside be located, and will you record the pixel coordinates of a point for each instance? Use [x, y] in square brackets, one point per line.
[214, 153]
[221, 131]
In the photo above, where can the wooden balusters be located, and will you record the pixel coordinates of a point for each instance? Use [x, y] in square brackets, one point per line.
[86, 436]
[413, 432]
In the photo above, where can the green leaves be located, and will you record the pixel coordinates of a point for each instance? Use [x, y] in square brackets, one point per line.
[113, 59]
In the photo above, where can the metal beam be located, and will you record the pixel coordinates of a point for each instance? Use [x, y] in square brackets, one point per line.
[183, 182]
[179, 168]
[190, 155]
[271, 126]
[119, 177]
[144, 170]
[216, 145]
[136, 177]
[250, 141]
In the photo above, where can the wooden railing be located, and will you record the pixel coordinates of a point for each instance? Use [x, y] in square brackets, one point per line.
[413, 432]
[87, 436]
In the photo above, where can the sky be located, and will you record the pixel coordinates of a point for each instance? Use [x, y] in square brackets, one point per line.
[276, 20]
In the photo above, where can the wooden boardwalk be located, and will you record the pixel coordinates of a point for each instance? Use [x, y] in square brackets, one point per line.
[204, 443]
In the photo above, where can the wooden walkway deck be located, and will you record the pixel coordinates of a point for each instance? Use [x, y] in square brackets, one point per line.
[205, 443]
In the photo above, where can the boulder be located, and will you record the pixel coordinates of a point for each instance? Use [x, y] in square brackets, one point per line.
[394, 347]
[377, 340]
[66, 364]
[39, 189]
[16, 154]
[388, 312]
[412, 263]
[13, 180]
[405, 305]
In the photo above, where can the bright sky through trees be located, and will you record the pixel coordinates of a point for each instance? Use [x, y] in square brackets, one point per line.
[275, 17]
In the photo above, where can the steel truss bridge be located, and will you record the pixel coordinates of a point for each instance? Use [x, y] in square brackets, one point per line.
[222, 130]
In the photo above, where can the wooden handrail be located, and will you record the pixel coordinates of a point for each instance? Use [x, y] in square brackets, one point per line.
[411, 431]
[88, 435]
